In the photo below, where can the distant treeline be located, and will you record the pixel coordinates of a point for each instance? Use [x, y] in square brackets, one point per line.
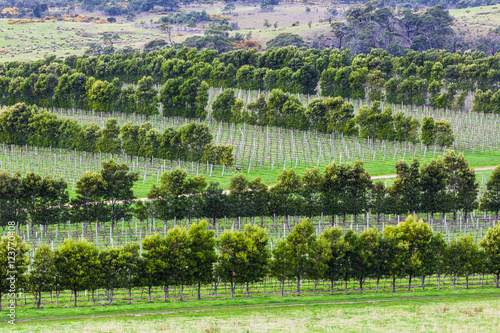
[436, 78]
[22, 124]
[195, 257]
[442, 186]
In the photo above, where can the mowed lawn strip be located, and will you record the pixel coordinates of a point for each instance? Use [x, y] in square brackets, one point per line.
[463, 310]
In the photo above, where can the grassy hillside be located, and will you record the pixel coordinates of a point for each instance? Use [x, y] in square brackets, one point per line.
[457, 311]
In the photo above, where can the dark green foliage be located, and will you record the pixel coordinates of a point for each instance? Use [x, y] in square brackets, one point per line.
[285, 39]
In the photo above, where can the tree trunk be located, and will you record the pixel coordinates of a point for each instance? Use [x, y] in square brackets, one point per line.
[298, 286]
[423, 282]
[346, 286]
[360, 286]
[454, 278]
[409, 284]
[93, 298]
[466, 281]
[57, 300]
[129, 295]
[248, 291]
[232, 290]
[283, 288]
[149, 294]
[439, 282]
[199, 291]
[393, 284]
[378, 280]
[331, 287]
[182, 288]
[215, 290]
[39, 300]
[75, 297]
[498, 280]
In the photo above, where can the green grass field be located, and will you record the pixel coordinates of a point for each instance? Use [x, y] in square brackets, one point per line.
[474, 21]
[475, 310]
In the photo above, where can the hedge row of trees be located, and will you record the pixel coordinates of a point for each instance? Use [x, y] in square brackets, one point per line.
[436, 77]
[22, 124]
[442, 186]
[330, 115]
[195, 257]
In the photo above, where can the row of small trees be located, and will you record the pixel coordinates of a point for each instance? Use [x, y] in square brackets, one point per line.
[22, 124]
[195, 257]
[437, 78]
[442, 186]
[330, 115]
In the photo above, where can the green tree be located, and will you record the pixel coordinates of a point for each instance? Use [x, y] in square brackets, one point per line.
[341, 116]
[194, 137]
[278, 267]
[88, 205]
[181, 264]
[443, 133]
[215, 203]
[222, 106]
[490, 200]
[355, 195]
[258, 198]
[399, 253]
[258, 255]
[316, 113]
[335, 254]
[145, 96]
[428, 131]
[379, 203]
[118, 183]
[405, 191]
[203, 255]
[42, 273]
[14, 123]
[77, 263]
[491, 245]
[11, 205]
[463, 258]
[462, 186]
[233, 248]
[434, 259]
[201, 100]
[109, 142]
[129, 275]
[238, 193]
[433, 180]
[416, 237]
[112, 263]
[301, 242]
[13, 265]
[154, 262]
